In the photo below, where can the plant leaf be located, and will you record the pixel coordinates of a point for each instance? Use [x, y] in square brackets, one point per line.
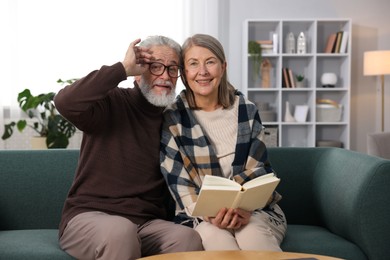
[58, 140]
[8, 130]
[21, 124]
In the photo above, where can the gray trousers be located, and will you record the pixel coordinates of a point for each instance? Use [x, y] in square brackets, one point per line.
[97, 235]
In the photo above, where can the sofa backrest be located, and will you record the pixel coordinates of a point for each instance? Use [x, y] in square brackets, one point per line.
[295, 167]
[33, 187]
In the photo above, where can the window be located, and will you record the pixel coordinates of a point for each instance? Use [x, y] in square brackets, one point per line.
[47, 40]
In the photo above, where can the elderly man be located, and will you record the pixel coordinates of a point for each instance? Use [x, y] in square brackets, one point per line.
[118, 205]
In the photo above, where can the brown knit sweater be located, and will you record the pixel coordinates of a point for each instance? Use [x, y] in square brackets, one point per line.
[118, 170]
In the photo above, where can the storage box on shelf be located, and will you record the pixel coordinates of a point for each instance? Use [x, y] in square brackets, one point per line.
[328, 111]
[312, 62]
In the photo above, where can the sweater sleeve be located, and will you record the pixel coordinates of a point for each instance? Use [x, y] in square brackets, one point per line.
[80, 101]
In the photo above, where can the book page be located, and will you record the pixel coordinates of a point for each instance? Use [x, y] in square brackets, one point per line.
[216, 193]
[269, 177]
[211, 201]
[217, 182]
[256, 197]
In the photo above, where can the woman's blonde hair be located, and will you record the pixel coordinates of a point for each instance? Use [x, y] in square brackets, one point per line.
[226, 91]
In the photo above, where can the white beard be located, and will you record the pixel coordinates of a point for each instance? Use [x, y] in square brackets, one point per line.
[162, 100]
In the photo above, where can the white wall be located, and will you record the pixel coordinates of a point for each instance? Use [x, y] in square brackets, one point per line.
[370, 29]
[44, 40]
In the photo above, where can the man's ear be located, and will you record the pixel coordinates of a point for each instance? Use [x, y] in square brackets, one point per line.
[137, 79]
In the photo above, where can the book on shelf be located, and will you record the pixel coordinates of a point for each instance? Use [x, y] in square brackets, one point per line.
[263, 42]
[338, 42]
[285, 78]
[330, 43]
[267, 51]
[344, 42]
[275, 42]
[291, 77]
[267, 46]
[335, 44]
[219, 192]
[288, 80]
[284, 84]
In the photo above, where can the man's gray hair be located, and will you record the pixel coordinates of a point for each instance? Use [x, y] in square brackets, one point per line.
[158, 40]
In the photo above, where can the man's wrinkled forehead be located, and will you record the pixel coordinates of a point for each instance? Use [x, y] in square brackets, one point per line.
[165, 54]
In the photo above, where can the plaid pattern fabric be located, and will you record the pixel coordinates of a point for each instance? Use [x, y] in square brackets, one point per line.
[187, 155]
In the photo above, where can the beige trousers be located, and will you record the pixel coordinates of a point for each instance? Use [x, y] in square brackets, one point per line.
[263, 232]
[97, 235]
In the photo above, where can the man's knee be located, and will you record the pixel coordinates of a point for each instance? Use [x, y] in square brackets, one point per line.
[120, 231]
[98, 235]
[120, 241]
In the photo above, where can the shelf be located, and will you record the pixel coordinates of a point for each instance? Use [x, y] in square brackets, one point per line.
[312, 63]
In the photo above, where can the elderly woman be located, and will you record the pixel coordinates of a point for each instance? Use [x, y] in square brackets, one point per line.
[213, 129]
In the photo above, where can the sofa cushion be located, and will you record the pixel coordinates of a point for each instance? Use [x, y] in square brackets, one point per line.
[318, 240]
[31, 244]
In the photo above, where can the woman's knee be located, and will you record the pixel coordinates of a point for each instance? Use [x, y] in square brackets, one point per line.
[214, 238]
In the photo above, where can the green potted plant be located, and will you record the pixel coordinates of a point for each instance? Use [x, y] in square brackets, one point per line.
[47, 122]
[300, 79]
[254, 50]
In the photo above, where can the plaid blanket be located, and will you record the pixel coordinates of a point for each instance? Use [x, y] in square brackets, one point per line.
[187, 155]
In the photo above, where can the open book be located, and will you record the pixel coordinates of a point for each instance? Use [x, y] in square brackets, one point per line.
[218, 192]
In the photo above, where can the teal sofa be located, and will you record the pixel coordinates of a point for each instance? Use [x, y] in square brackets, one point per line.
[337, 202]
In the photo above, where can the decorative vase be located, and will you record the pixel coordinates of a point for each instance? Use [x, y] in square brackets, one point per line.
[290, 43]
[265, 71]
[38, 143]
[288, 117]
[328, 80]
[301, 43]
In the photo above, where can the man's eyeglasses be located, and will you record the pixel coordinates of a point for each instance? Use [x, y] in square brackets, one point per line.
[157, 69]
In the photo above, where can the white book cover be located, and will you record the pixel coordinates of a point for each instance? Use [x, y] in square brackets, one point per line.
[344, 42]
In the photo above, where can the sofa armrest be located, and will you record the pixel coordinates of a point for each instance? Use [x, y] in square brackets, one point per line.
[343, 191]
[351, 191]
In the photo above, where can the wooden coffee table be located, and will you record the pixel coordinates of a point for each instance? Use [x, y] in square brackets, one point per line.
[234, 255]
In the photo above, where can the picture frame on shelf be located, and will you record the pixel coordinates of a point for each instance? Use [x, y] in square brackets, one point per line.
[300, 113]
